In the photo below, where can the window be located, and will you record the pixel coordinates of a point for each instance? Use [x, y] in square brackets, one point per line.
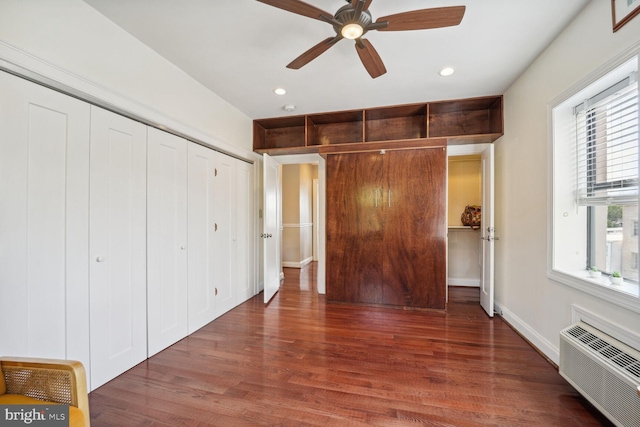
[594, 220]
[607, 182]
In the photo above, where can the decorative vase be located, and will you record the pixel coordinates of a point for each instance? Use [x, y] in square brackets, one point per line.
[595, 274]
[616, 280]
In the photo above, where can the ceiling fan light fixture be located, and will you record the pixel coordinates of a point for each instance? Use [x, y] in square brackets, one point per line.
[280, 91]
[447, 71]
[352, 31]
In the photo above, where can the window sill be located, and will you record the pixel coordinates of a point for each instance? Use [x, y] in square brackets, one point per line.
[624, 295]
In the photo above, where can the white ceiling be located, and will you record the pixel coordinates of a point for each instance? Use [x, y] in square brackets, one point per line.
[240, 48]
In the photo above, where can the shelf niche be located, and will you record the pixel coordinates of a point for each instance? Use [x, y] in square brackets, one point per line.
[279, 133]
[335, 128]
[396, 123]
[462, 121]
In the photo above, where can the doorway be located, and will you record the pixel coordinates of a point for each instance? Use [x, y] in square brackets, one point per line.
[305, 224]
[464, 245]
[470, 258]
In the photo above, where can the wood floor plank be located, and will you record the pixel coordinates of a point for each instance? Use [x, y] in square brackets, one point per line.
[300, 361]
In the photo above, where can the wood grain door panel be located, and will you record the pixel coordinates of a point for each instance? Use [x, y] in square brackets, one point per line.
[355, 237]
[386, 228]
[415, 262]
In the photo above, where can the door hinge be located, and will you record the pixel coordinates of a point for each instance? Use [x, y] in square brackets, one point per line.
[215, 227]
[216, 291]
[215, 172]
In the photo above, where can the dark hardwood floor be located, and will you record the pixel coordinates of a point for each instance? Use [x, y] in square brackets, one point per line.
[302, 362]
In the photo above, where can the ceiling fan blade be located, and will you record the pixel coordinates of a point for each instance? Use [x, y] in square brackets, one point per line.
[298, 7]
[313, 53]
[366, 4]
[370, 58]
[424, 19]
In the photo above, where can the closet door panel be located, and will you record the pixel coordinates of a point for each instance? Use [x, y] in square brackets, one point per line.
[415, 267]
[355, 227]
[117, 245]
[244, 231]
[167, 240]
[43, 222]
[200, 225]
[224, 258]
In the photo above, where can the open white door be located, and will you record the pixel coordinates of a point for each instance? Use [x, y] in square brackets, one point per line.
[270, 233]
[488, 230]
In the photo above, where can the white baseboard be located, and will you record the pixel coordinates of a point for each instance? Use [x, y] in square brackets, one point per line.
[301, 264]
[537, 340]
[453, 281]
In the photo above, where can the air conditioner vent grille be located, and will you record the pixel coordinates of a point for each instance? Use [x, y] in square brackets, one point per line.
[605, 370]
[627, 362]
[610, 352]
[634, 369]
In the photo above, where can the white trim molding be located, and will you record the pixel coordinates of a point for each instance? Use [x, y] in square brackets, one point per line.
[303, 225]
[301, 264]
[454, 281]
[537, 340]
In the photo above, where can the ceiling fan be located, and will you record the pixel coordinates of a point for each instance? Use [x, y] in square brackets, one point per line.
[354, 20]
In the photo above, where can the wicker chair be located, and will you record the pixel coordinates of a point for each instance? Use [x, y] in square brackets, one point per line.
[34, 381]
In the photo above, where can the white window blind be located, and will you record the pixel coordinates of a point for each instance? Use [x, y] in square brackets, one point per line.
[607, 147]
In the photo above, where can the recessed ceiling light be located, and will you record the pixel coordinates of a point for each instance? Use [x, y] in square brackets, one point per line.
[446, 71]
[279, 91]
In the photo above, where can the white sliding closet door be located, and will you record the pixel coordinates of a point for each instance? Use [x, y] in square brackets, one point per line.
[44, 208]
[167, 240]
[117, 245]
[201, 229]
[243, 272]
[224, 259]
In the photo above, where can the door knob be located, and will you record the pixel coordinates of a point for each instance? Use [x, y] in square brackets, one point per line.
[100, 259]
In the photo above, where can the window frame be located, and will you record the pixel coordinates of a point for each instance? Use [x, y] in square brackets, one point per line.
[575, 279]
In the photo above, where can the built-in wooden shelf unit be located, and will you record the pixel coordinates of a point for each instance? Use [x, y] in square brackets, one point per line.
[461, 121]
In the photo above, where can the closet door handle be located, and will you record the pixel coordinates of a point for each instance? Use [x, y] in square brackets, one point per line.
[376, 198]
[389, 198]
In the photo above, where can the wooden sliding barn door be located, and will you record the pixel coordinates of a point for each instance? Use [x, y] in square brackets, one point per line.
[415, 228]
[386, 228]
[355, 228]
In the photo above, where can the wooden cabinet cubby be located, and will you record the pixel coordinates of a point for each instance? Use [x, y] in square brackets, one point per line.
[335, 128]
[461, 121]
[396, 123]
[286, 134]
[466, 120]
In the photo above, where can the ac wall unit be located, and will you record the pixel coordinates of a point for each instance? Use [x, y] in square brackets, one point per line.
[604, 370]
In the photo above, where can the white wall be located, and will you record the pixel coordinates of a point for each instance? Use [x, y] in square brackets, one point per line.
[537, 306]
[290, 215]
[74, 37]
[297, 223]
